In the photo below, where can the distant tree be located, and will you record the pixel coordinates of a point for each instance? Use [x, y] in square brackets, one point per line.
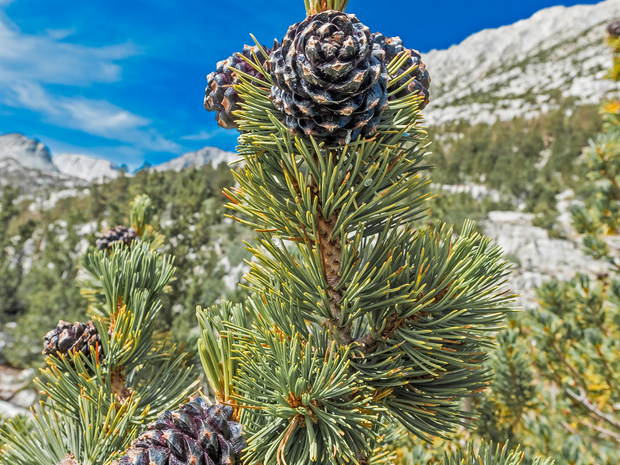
[13, 237]
[48, 286]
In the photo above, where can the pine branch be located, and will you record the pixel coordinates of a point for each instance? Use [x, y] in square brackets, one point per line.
[100, 395]
[487, 454]
[582, 399]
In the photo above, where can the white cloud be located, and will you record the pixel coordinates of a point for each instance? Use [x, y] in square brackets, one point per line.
[30, 62]
[48, 60]
[204, 135]
[59, 34]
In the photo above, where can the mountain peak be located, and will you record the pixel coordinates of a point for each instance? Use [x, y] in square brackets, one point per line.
[525, 68]
[29, 153]
[198, 158]
[85, 167]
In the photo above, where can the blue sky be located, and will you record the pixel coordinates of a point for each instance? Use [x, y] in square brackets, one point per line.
[124, 80]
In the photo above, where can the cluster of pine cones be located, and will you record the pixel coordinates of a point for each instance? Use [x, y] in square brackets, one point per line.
[329, 75]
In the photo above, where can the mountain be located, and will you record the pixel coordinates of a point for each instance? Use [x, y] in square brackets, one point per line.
[30, 180]
[524, 69]
[84, 167]
[27, 164]
[30, 153]
[198, 158]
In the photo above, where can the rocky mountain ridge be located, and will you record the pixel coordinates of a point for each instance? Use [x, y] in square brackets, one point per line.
[524, 69]
[29, 179]
[212, 155]
[29, 153]
[28, 164]
[85, 167]
[520, 70]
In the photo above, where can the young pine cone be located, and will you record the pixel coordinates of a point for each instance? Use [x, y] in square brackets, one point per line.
[220, 94]
[71, 338]
[108, 238]
[613, 29]
[393, 47]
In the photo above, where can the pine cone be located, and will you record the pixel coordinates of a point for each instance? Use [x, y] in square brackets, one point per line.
[71, 338]
[196, 434]
[220, 94]
[329, 81]
[613, 29]
[108, 238]
[393, 47]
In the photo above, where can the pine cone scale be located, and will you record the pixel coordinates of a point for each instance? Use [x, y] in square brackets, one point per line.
[196, 434]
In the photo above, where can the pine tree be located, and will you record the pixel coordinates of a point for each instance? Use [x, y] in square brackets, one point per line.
[359, 325]
[96, 400]
[578, 327]
[12, 242]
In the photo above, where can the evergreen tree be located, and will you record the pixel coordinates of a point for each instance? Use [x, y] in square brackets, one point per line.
[49, 284]
[97, 393]
[360, 328]
[11, 253]
[577, 330]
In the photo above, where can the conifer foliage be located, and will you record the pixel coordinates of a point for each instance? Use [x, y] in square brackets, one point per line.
[97, 396]
[577, 329]
[358, 322]
[557, 369]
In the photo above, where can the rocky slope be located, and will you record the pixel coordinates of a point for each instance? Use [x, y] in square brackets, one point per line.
[87, 168]
[525, 68]
[198, 158]
[536, 257]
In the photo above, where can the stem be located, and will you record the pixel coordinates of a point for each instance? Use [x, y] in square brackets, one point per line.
[331, 258]
[583, 400]
[330, 251]
[521, 407]
[316, 6]
[369, 340]
[571, 369]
